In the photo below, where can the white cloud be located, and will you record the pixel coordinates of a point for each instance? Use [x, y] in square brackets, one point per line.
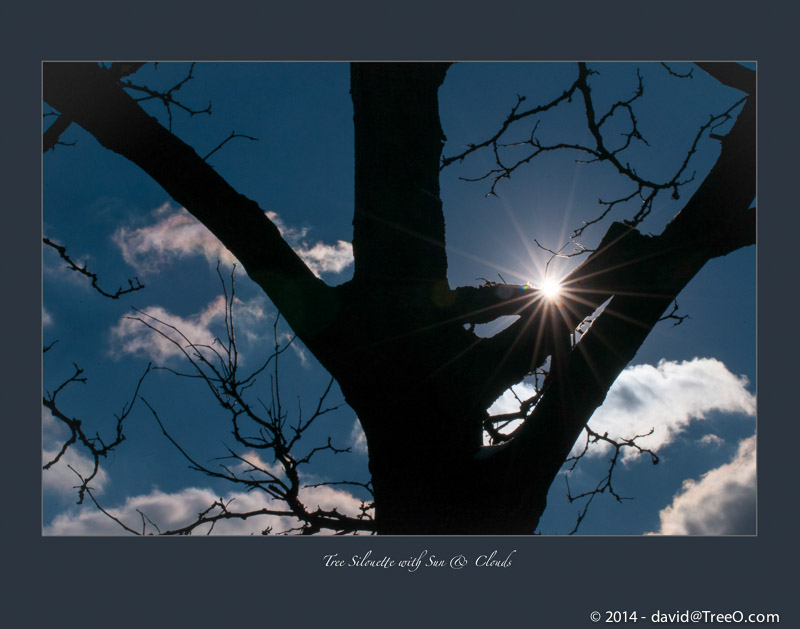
[296, 346]
[322, 258]
[62, 480]
[711, 440]
[319, 257]
[47, 318]
[175, 510]
[167, 510]
[59, 478]
[177, 234]
[253, 460]
[53, 429]
[508, 403]
[721, 502]
[358, 440]
[131, 336]
[666, 398]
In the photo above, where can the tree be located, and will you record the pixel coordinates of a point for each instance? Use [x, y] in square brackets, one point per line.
[398, 340]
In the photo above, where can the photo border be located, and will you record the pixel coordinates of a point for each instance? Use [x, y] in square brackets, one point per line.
[552, 582]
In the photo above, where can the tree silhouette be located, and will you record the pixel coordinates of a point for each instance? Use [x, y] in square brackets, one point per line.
[398, 340]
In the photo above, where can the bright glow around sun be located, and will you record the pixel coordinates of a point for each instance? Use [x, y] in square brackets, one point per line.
[550, 288]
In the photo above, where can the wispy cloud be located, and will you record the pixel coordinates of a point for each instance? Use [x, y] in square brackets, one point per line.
[131, 336]
[297, 347]
[177, 234]
[666, 398]
[320, 257]
[358, 440]
[711, 440]
[177, 509]
[721, 502]
[47, 318]
[53, 267]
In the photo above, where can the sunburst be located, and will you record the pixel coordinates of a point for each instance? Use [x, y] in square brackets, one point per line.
[550, 289]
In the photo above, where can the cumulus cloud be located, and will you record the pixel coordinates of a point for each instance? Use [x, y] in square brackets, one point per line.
[62, 480]
[721, 502]
[175, 510]
[177, 234]
[666, 398]
[132, 336]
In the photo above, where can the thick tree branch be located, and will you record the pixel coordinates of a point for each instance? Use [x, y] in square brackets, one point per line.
[483, 304]
[52, 136]
[398, 226]
[731, 74]
[85, 93]
[524, 345]
[715, 221]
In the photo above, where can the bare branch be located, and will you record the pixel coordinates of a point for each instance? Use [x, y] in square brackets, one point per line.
[133, 284]
[218, 367]
[605, 484]
[645, 190]
[672, 314]
[88, 491]
[47, 348]
[514, 116]
[226, 140]
[104, 109]
[167, 97]
[672, 72]
[95, 446]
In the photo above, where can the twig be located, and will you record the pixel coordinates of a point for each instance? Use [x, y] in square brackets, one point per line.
[133, 284]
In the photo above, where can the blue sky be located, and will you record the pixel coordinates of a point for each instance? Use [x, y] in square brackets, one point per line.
[694, 384]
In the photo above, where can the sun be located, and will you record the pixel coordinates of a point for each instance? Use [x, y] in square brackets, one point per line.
[550, 288]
